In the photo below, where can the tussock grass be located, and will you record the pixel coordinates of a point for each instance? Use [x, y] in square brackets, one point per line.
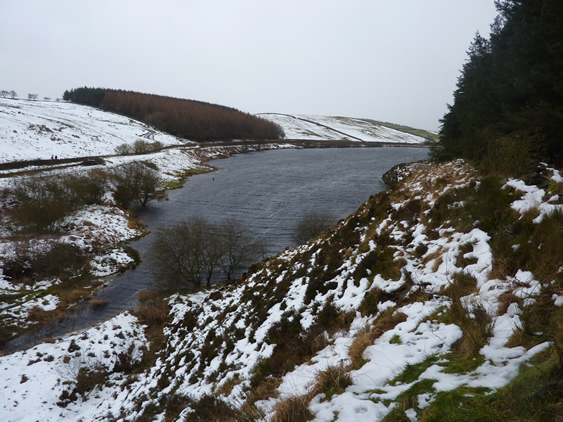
[332, 381]
[476, 325]
[212, 408]
[293, 409]
[153, 309]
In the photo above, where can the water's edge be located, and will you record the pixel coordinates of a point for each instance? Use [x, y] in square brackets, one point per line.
[268, 190]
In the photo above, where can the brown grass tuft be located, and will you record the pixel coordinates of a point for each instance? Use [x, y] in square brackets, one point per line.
[332, 381]
[98, 303]
[293, 409]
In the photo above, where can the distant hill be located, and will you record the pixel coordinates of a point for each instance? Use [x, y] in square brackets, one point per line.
[328, 128]
[194, 120]
[31, 130]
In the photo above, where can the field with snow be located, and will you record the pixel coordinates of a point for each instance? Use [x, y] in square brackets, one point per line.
[32, 130]
[327, 128]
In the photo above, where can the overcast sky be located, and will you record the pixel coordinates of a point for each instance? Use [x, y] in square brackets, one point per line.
[389, 60]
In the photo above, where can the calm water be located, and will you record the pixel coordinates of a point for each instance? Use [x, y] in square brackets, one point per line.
[268, 190]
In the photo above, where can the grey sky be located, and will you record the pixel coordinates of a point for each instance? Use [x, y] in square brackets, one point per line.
[391, 60]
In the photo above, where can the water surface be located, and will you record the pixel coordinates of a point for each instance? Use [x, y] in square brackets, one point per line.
[268, 190]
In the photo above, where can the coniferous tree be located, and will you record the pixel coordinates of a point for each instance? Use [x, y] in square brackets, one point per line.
[511, 86]
[194, 120]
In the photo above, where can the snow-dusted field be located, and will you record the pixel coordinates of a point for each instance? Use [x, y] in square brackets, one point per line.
[39, 129]
[323, 128]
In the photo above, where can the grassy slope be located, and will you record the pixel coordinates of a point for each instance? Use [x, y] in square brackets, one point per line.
[418, 132]
[333, 308]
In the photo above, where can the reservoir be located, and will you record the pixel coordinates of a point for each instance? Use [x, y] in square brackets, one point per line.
[269, 191]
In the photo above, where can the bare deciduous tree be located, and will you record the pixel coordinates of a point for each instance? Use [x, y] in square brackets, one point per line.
[190, 253]
[239, 247]
[32, 97]
[13, 94]
[4, 93]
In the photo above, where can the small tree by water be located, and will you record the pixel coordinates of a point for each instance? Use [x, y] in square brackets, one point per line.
[190, 253]
[135, 180]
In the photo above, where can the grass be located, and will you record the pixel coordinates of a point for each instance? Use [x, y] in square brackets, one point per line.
[409, 400]
[332, 381]
[536, 394]
[412, 372]
[293, 409]
[366, 337]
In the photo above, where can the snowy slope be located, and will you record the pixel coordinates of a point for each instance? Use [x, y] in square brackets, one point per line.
[38, 129]
[217, 341]
[322, 128]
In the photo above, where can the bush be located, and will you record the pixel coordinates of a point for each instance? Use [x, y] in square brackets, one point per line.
[139, 147]
[135, 181]
[45, 199]
[58, 260]
[42, 201]
[312, 225]
[86, 189]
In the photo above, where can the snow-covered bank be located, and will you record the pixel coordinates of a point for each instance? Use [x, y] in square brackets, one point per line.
[375, 297]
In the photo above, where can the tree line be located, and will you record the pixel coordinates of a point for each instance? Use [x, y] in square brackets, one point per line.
[5, 93]
[508, 103]
[189, 119]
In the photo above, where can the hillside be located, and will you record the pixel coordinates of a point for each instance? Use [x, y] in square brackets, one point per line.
[190, 119]
[32, 130]
[327, 128]
[439, 299]
[36, 130]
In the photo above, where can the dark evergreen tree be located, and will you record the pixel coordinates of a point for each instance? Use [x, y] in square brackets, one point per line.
[511, 86]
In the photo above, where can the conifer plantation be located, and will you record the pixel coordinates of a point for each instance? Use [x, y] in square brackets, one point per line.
[508, 104]
[193, 120]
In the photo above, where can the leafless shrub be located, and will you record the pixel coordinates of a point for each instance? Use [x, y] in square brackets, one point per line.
[311, 225]
[42, 200]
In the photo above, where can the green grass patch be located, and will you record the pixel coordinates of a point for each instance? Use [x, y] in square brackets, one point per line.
[412, 371]
[409, 400]
[462, 364]
[536, 394]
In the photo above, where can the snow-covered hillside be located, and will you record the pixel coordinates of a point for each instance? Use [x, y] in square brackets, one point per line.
[38, 129]
[327, 128]
[31, 130]
[423, 305]
[388, 316]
